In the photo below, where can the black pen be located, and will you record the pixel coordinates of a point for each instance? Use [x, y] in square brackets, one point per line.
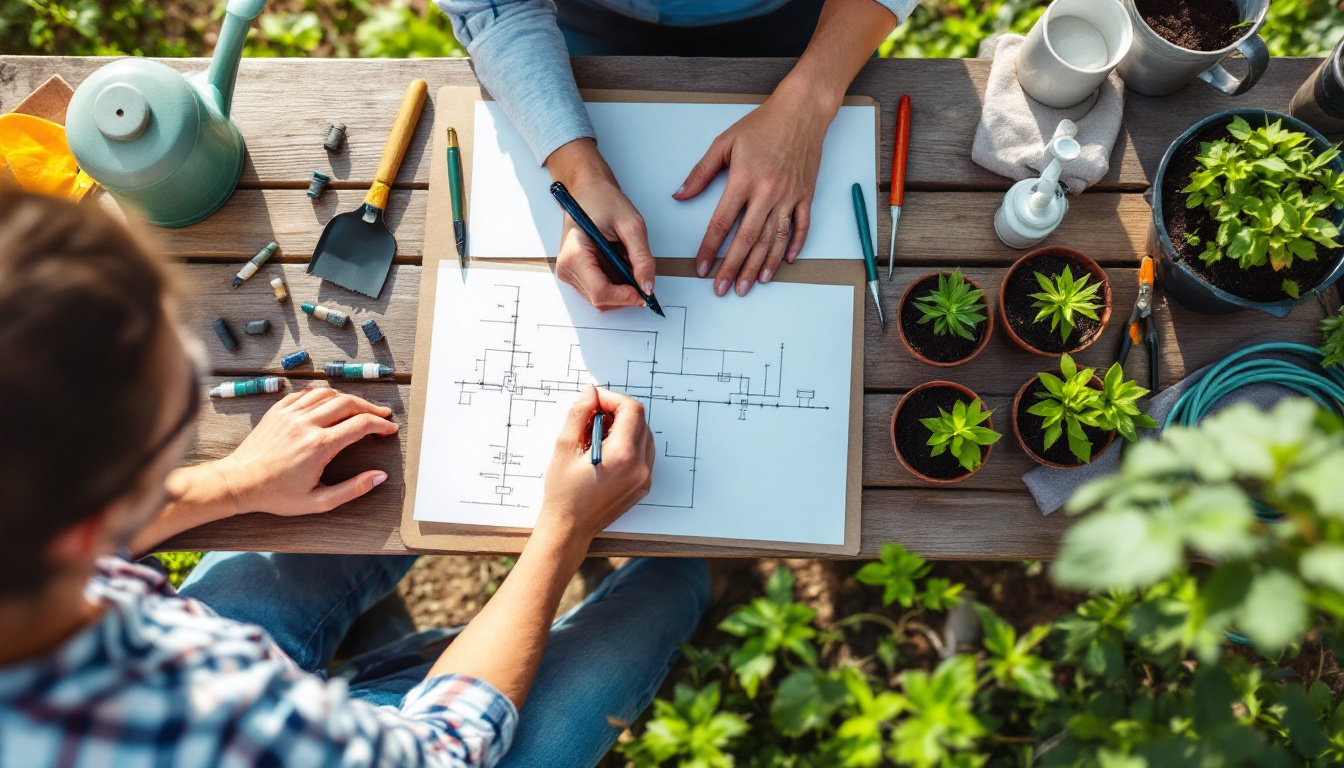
[605, 249]
[597, 438]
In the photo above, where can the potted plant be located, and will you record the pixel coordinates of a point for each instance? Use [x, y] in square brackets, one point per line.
[1055, 300]
[1246, 214]
[1079, 407]
[944, 319]
[937, 432]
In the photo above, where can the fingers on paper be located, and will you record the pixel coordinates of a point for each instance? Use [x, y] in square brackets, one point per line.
[753, 235]
[593, 283]
[329, 497]
[802, 221]
[703, 172]
[720, 224]
[634, 235]
[574, 435]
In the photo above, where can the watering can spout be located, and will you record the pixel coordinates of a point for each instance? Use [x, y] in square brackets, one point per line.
[223, 71]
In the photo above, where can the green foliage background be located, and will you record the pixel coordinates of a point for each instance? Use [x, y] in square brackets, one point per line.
[414, 28]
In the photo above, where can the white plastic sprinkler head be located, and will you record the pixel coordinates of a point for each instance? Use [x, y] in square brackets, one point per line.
[1033, 208]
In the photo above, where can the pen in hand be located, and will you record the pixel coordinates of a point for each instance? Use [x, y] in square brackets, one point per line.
[597, 437]
[606, 253]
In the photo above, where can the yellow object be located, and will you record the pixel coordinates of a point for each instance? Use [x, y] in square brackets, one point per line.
[34, 153]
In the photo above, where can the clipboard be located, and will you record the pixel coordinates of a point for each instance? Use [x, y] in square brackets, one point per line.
[455, 106]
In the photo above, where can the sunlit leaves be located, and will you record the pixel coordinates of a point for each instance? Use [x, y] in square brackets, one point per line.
[954, 307]
[689, 730]
[896, 571]
[1063, 300]
[961, 433]
[767, 626]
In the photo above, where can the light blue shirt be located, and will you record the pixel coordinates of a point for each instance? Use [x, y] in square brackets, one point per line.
[521, 58]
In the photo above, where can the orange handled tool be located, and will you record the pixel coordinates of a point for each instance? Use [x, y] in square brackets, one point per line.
[899, 151]
[1143, 310]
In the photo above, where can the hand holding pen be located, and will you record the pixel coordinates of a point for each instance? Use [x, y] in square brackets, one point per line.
[590, 181]
[611, 258]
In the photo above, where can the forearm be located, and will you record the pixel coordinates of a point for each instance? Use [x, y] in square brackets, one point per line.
[197, 495]
[504, 643]
[847, 34]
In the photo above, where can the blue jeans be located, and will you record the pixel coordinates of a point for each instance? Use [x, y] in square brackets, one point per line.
[604, 659]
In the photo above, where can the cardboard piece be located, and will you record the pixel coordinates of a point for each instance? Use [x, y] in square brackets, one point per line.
[455, 106]
[49, 101]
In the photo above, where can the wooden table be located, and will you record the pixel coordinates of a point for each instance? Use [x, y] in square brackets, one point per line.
[283, 107]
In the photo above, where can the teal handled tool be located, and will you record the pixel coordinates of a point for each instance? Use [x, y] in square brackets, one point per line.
[866, 240]
[455, 192]
[356, 249]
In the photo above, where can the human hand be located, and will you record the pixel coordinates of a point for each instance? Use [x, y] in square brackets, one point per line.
[580, 167]
[278, 467]
[772, 156]
[581, 498]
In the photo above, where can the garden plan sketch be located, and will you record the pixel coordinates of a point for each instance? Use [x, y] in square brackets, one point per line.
[748, 399]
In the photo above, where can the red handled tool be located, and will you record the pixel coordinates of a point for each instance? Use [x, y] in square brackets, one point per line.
[899, 150]
[1143, 309]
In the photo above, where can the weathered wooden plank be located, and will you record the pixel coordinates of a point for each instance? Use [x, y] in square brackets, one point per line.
[208, 296]
[1188, 340]
[936, 227]
[283, 106]
[961, 523]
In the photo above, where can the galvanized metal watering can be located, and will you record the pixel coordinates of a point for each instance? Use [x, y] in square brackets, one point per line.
[162, 143]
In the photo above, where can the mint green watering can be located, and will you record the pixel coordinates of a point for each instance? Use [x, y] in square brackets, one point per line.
[162, 143]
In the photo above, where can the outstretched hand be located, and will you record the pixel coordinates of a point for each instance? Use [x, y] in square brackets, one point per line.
[772, 156]
[278, 467]
[581, 498]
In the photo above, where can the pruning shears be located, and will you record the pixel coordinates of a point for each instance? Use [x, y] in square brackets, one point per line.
[1143, 310]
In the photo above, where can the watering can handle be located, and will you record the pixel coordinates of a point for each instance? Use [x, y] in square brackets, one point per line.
[397, 142]
[223, 71]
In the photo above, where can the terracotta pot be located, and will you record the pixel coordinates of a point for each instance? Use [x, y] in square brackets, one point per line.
[1088, 265]
[1017, 402]
[897, 450]
[900, 326]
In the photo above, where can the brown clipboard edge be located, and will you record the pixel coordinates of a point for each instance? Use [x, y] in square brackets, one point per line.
[455, 105]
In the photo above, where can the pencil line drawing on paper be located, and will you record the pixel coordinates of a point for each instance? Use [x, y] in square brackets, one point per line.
[679, 385]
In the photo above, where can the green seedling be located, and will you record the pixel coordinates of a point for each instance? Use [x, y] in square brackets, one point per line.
[961, 433]
[1332, 343]
[955, 307]
[1062, 298]
[1066, 405]
[1270, 194]
[1117, 409]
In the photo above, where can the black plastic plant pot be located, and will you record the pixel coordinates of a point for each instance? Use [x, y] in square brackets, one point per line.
[1176, 279]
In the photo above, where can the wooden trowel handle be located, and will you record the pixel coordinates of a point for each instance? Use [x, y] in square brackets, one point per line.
[400, 138]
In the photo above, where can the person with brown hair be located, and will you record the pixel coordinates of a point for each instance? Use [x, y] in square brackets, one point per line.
[103, 663]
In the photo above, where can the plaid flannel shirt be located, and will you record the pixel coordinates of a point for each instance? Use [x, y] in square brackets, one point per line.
[160, 681]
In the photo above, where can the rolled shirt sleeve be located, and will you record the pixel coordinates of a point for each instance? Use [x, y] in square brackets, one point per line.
[902, 8]
[521, 59]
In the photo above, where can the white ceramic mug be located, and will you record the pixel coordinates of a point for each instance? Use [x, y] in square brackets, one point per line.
[1072, 49]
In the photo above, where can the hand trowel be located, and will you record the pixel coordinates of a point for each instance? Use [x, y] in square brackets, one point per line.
[356, 249]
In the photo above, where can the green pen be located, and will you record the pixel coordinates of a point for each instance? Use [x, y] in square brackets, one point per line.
[866, 240]
[455, 192]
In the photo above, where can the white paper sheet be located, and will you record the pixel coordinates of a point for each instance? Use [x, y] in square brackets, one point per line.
[748, 399]
[651, 148]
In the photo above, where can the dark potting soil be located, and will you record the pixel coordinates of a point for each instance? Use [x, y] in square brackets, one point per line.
[1017, 305]
[912, 438]
[1196, 25]
[1260, 283]
[1029, 426]
[948, 348]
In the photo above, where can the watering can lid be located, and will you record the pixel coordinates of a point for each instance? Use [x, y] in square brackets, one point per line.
[133, 123]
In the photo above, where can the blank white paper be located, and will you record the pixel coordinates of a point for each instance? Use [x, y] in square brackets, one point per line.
[748, 399]
[651, 148]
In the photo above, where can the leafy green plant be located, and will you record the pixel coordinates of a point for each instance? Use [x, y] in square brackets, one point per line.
[1066, 405]
[961, 433]
[1332, 340]
[956, 28]
[179, 565]
[396, 31]
[1117, 407]
[1062, 297]
[954, 307]
[286, 34]
[689, 730]
[767, 626]
[1268, 191]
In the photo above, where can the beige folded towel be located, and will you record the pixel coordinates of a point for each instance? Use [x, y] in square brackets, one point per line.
[1014, 127]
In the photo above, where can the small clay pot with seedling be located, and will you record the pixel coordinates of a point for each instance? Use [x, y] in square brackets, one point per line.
[1055, 300]
[1248, 215]
[945, 319]
[1077, 406]
[938, 431]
